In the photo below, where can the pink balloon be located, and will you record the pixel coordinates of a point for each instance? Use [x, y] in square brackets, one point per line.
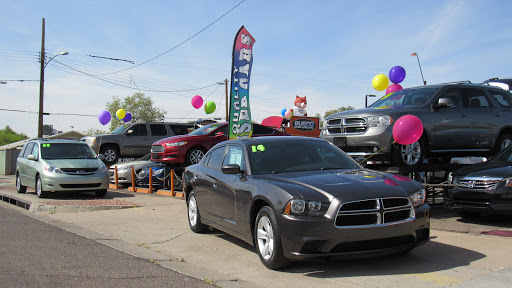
[407, 129]
[197, 101]
[288, 114]
[393, 88]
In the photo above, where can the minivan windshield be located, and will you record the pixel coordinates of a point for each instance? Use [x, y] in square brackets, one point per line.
[66, 151]
[413, 96]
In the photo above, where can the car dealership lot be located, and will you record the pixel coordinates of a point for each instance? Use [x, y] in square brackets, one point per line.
[457, 255]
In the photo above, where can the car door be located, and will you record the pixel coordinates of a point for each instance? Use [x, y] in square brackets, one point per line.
[224, 197]
[33, 165]
[207, 182]
[482, 118]
[136, 139]
[449, 126]
[23, 162]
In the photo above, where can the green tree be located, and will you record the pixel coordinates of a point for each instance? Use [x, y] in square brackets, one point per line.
[341, 109]
[139, 106]
[7, 136]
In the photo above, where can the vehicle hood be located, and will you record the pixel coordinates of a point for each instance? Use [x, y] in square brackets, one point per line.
[347, 185]
[486, 169]
[176, 138]
[75, 163]
[136, 163]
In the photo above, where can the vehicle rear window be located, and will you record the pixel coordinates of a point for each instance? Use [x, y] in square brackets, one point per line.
[504, 99]
[66, 151]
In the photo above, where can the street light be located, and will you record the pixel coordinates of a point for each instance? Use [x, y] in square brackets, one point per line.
[44, 63]
[366, 100]
[416, 54]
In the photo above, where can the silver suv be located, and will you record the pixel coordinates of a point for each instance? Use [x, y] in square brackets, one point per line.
[459, 119]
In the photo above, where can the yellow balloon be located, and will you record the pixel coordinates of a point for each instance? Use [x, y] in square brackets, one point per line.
[380, 82]
[120, 114]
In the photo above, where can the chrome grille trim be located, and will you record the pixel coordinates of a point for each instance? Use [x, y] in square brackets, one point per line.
[348, 125]
[472, 183]
[157, 148]
[396, 210]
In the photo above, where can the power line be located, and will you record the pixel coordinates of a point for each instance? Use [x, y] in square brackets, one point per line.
[190, 38]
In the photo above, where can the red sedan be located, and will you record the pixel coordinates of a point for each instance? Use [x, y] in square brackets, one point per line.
[190, 148]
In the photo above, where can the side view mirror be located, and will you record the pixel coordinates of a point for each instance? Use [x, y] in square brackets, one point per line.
[443, 103]
[362, 161]
[32, 157]
[129, 132]
[219, 134]
[231, 169]
[101, 157]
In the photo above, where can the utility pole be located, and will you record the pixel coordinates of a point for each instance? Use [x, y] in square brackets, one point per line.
[41, 88]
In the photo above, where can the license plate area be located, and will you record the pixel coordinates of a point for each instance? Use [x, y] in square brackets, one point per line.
[340, 141]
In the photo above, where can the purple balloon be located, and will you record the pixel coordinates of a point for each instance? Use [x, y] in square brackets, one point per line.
[397, 74]
[104, 117]
[127, 117]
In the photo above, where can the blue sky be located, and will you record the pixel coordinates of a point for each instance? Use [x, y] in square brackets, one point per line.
[328, 51]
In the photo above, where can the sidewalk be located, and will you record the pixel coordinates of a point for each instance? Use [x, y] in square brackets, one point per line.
[155, 228]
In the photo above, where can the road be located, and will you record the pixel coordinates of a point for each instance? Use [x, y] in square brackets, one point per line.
[37, 254]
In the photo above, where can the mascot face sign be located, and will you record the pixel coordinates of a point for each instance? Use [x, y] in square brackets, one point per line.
[304, 125]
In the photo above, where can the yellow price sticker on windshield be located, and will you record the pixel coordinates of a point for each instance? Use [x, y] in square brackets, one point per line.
[258, 148]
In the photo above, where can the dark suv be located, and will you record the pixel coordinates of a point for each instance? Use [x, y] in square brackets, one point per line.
[459, 119]
[134, 139]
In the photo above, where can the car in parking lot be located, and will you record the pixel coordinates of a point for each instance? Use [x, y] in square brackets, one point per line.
[301, 197]
[60, 165]
[124, 170]
[134, 139]
[190, 148]
[484, 187]
[459, 120]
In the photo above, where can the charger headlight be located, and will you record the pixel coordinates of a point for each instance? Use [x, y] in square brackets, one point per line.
[418, 198]
[302, 207]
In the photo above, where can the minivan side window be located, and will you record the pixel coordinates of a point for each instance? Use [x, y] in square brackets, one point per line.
[158, 130]
[35, 151]
[28, 149]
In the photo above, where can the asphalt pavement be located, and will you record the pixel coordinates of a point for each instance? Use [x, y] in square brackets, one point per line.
[155, 227]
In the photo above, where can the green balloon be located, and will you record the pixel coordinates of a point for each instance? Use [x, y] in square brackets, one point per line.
[209, 107]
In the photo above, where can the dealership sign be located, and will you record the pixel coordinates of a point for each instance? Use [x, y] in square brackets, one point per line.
[240, 123]
[305, 125]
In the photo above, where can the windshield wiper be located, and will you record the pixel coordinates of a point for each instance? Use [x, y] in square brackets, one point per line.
[330, 168]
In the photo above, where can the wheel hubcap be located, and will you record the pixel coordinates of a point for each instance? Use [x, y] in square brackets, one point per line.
[265, 236]
[39, 187]
[411, 153]
[192, 211]
[196, 156]
[110, 155]
[18, 183]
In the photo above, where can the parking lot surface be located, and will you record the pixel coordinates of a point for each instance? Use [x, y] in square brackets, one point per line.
[461, 253]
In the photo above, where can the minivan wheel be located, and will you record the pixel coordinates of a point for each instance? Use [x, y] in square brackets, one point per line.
[409, 155]
[111, 154]
[19, 187]
[39, 188]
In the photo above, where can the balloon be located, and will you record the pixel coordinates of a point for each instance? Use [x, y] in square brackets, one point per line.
[380, 82]
[104, 117]
[288, 114]
[407, 129]
[127, 117]
[120, 114]
[209, 107]
[197, 101]
[283, 112]
[397, 74]
[393, 88]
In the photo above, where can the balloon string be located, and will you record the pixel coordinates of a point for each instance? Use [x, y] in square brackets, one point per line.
[366, 159]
